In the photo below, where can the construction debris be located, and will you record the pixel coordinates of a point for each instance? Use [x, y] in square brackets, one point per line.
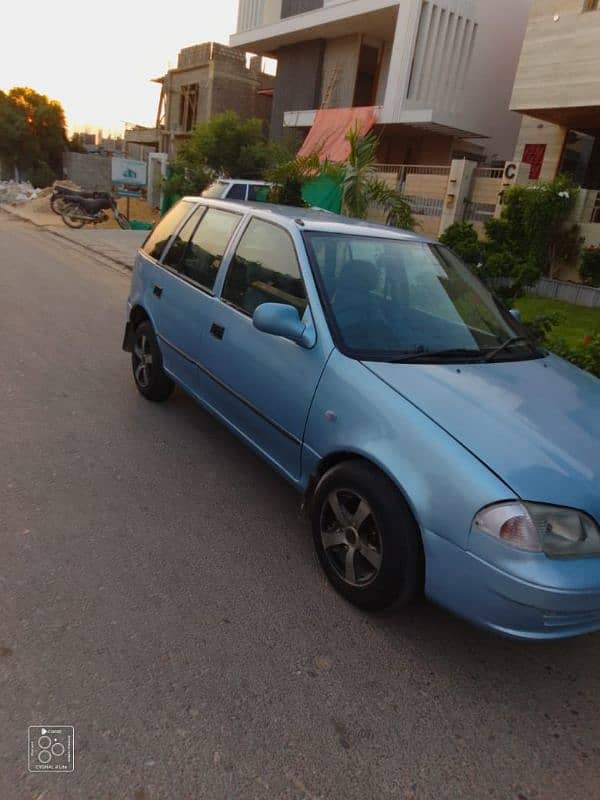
[17, 192]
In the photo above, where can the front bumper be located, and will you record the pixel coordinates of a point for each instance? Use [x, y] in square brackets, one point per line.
[539, 598]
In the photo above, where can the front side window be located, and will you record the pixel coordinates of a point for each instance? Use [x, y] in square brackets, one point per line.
[155, 243]
[264, 270]
[391, 300]
[202, 256]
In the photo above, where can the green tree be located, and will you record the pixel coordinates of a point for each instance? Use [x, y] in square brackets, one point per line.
[532, 234]
[362, 188]
[76, 143]
[288, 177]
[461, 237]
[32, 134]
[228, 146]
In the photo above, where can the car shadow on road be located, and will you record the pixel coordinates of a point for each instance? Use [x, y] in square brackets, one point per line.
[423, 626]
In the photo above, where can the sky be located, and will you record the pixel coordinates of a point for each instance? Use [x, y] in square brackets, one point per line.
[98, 58]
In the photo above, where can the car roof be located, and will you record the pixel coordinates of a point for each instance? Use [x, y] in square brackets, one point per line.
[313, 219]
[241, 180]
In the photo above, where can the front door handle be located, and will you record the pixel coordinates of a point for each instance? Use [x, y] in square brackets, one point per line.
[217, 330]
[157, 291]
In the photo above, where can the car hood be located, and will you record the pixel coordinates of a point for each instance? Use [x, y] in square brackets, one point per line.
[535, 423]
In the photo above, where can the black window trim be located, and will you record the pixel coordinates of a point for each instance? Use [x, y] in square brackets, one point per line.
[363, 355]
[167, 247]
[186, 278]
[249, 220]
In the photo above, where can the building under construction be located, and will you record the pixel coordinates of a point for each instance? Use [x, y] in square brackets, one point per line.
[209, 79]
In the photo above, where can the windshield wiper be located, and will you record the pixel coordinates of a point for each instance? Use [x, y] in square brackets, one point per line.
[426, 355]
[513, 340]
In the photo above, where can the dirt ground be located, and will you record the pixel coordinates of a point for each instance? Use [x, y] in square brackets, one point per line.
[138, 209]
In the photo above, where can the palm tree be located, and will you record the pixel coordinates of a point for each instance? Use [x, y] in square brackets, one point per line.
[362, 188]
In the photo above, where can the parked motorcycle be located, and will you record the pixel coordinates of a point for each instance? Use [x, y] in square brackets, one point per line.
[79, 211]
[62, 194]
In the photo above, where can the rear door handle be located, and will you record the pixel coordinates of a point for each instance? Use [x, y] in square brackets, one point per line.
[157, 291]
[217, 330]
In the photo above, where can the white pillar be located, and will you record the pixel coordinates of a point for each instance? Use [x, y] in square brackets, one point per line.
[515, 172]
[459, 186]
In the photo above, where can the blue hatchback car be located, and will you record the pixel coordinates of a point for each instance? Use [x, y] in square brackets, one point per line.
[436, 447]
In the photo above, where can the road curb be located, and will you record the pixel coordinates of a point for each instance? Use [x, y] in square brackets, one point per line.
[56, 232]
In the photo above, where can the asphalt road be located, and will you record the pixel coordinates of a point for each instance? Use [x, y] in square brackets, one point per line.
[159, 592]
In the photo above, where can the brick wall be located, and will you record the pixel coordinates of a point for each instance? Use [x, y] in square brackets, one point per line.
[90, 172]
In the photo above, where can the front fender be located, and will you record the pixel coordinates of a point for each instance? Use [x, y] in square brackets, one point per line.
[355, 412]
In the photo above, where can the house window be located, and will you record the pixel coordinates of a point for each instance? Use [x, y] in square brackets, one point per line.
[289, 8]
[367, 74]
[188, 106]
[533, 154]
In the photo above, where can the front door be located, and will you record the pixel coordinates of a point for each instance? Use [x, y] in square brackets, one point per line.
[262, 384]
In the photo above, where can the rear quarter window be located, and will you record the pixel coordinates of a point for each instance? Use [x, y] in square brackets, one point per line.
[155, 244]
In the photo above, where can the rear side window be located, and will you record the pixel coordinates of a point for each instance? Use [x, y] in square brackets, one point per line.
[258, 192]
[206, 246]
[179, 244]
[264, 270]
[237, 192]
[155, 243]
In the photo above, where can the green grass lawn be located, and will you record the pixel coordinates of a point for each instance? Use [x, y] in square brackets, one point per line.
[576, 322]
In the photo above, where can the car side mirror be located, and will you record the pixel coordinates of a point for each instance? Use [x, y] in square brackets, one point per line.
[514, 312]
[283, 320]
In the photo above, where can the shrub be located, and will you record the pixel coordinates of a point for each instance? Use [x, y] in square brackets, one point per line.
[530, 235]
[589, 270]
[461, 237]
[585, 355]
[540, 327]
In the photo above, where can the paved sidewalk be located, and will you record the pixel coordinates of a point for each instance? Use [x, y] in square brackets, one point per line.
[115, 244]
[120, 246]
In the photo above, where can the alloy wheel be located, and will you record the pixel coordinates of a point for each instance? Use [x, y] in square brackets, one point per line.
[142, 356]
[350, 537]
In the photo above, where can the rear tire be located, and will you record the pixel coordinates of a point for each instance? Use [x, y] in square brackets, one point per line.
[72, 221]
[366, 537]
[146, 362]
[57, 204]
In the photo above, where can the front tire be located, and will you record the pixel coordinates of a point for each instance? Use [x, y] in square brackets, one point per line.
[146, 362]
[72, 221]
[366, 537]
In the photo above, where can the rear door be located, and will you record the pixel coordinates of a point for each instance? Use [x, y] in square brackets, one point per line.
[183, 290]
[262, 384]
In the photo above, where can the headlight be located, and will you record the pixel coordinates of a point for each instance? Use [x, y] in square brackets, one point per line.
[552, 530]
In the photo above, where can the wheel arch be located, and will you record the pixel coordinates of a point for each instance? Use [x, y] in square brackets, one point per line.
[138, 314]
[338, 457]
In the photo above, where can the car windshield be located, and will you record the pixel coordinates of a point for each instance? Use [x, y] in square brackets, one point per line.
[391, 299]
[216, 190]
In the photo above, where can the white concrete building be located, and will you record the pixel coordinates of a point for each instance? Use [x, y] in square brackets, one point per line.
[439, 71]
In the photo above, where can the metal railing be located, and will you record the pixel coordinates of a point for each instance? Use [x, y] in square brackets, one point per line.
[424, 206]
[478, 212]
[402, 170]
[488, 172]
